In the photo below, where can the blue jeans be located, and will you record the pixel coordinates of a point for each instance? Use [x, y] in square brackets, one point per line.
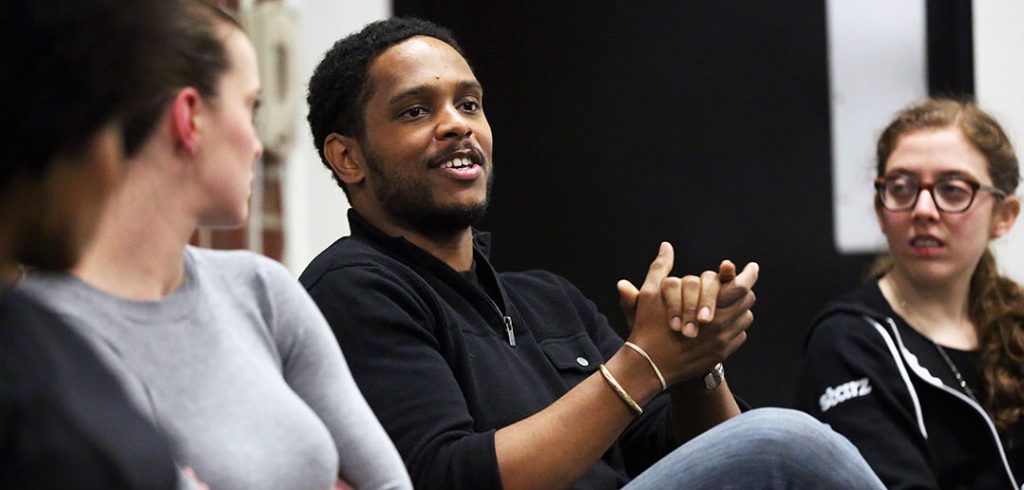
[763, 448]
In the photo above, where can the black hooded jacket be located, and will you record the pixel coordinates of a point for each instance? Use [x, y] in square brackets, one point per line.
[888, 389]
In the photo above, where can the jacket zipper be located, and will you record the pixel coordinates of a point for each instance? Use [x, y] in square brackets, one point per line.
[510, 331]
[507, 320]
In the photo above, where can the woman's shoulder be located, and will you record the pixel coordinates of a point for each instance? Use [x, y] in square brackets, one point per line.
[234, 263]
[850, 320]
[244, 275]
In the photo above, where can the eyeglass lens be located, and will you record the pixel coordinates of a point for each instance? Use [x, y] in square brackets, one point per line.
[949, 193]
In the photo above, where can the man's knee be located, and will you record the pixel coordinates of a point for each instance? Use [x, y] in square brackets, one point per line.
[789, 433]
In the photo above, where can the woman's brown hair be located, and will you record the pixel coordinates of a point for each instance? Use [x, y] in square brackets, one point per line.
[995, 304]
[199, 58]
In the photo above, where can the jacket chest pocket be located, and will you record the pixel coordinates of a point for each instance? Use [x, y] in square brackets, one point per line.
[574, 357]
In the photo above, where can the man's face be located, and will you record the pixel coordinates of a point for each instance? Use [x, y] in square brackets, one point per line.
[427, 145]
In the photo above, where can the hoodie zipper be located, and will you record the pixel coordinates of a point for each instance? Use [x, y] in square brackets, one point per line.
[962, 397]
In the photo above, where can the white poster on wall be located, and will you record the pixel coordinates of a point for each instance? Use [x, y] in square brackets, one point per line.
[877, 64]
[999, 84]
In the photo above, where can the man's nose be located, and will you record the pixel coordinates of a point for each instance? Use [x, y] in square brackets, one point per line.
[453, 124]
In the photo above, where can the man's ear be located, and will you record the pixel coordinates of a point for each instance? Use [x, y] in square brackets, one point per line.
[185, 119]
[345, 157]
[1005, 215]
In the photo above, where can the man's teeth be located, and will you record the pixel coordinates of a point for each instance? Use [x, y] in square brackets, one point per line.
[458, 163]
[925, 242]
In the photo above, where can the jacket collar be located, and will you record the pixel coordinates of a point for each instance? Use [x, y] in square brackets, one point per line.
[407, 252]
[364, 230]
[865, 300]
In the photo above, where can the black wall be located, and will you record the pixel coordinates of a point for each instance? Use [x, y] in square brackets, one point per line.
[621, 124]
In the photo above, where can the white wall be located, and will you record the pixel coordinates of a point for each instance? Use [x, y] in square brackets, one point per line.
[314, 206]
[999, 85]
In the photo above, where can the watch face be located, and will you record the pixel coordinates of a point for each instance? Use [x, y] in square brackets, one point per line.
[714, 377]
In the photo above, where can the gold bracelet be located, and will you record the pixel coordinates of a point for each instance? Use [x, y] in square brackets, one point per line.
[630, 402]
[657, 371]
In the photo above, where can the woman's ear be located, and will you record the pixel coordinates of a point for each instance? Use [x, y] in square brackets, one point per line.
[878, 214]
[184, 119]
[1005, 215]
[345, 157]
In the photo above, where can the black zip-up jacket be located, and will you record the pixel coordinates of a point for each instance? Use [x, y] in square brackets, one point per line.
[886, 387]
[434, 355]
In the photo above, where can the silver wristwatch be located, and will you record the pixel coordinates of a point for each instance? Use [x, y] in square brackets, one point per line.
[714, 377]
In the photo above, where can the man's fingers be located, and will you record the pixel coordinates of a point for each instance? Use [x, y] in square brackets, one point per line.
[726, 271]
[735, 290]
[660, 268]
[749, 276]
[628, 294]
[690, 298]
[672, 295]
[727, 315]
[736, 342]
[709, 286]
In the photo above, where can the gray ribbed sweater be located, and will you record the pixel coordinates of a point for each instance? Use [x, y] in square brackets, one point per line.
[241, 369]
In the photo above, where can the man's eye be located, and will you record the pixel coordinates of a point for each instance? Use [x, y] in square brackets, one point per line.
[414, 112]
[471, 106]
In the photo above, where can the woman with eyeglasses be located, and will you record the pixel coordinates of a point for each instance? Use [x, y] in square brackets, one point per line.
[923, 367]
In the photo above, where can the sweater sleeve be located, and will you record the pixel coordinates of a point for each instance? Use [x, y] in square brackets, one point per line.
[388, 330]
[315, 369]
[851, 381]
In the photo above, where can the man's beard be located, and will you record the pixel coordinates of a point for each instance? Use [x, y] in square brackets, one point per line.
[411, 203]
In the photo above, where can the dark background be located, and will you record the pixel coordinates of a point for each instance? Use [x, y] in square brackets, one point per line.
[621, 124]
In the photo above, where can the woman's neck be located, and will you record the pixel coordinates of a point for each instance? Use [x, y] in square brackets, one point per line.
[138, 250]
[939, 311]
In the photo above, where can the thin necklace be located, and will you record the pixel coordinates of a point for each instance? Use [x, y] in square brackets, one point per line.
[956, 372]
[942, 352]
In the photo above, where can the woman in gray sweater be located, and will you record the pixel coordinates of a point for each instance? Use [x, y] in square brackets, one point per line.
[223, 350]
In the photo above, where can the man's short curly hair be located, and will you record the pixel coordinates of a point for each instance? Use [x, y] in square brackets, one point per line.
[341, 86]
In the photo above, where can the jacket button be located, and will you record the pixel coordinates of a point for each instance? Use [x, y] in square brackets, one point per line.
[582, 361]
